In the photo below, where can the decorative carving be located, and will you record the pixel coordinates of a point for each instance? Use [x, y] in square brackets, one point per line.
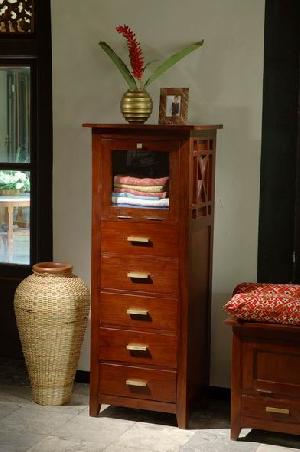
[16, 16]
[202, 173]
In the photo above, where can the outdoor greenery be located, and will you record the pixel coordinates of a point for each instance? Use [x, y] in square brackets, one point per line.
[14, 180]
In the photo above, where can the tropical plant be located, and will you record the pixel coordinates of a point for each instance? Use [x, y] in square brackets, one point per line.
[14, 180]
[135, 77]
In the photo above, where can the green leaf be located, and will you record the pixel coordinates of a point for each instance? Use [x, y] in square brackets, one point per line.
[120, 64]
[173, 59]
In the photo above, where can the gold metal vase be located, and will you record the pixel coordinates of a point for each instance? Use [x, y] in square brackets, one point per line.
[136, 106]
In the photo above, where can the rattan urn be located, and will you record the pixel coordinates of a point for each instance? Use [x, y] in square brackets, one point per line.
[52, 308]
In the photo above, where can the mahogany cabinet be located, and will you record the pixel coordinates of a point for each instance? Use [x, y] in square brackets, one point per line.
[152, 230]
[265, 389]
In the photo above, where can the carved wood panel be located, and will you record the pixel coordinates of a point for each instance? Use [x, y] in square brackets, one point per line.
[16, 16]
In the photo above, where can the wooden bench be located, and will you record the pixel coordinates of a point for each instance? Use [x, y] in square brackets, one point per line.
[265, 380]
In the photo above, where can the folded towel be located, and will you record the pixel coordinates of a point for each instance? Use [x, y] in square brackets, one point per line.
[144, 181]
[138, 192]
[129, 195]
[146, 189]
[140, 202]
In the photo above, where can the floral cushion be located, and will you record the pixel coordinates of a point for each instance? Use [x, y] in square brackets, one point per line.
[274, 303]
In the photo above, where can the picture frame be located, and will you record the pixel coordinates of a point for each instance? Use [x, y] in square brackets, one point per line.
[173, 105]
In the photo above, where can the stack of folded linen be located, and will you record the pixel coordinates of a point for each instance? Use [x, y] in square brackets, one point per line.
[140, 192]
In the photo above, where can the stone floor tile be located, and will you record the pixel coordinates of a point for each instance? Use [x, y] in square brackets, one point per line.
[216, 440]
[7, 408]
[20, 395]
[272, 448]
[116, 448]
[14, 441]
[137, 415]
[99, 430]
[55, 444]
[37, 419]
[273, 438]
[152, 437]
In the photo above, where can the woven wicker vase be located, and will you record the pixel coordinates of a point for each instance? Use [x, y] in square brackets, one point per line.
[52, 307]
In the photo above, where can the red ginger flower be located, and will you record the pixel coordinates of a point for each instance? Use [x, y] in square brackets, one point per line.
[135, 51]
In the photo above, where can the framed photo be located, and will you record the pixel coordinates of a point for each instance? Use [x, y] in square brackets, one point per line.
[173, 105]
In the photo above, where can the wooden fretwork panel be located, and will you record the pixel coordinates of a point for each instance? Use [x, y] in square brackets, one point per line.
[16, 16]
[202, 177]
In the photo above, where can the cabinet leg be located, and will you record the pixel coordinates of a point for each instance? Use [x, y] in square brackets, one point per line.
[182, 420]
[235, 431]
[94, 408]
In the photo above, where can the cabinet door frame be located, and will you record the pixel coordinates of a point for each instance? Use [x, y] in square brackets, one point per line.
[107, 147]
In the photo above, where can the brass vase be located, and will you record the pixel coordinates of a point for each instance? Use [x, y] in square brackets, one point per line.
[136, 106]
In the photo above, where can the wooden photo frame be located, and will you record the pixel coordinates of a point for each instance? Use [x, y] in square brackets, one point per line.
[173, 105]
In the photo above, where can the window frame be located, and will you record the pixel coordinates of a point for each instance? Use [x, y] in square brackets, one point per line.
[34, 49]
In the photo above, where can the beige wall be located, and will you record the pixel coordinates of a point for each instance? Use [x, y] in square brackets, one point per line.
[225, 79]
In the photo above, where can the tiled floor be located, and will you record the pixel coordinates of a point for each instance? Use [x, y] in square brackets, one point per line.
[26, 426]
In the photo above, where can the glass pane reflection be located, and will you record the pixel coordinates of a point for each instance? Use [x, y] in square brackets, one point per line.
[15, 217]
[15, 114]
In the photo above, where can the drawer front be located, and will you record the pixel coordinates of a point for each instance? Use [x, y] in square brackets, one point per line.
[139, 273]
[135, 312]
[137, 348]
[139, 238]
[271, 368]
[137, 382]
[271, 409]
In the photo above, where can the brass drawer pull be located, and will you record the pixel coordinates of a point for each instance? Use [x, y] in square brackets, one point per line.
[270, 409]
[264, 391]
[138, 239]
[153, 218]
[137, 311]
[124, 217]
[138, 275]
[139, 145]
[137, 347]
[137, 383]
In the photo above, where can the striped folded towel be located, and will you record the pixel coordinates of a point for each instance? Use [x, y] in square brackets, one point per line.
[140, 202]
[131, 191]
[129, 195]
[146, 188]
[144, 181]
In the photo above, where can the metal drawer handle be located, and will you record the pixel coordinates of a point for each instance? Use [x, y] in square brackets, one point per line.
[138, 239]
[137, 311]
[264, 391]
[270, 409]
[137, 347]
[138, 275]
[124, 217]
[139, 145]
[153, 218]
[137, 383]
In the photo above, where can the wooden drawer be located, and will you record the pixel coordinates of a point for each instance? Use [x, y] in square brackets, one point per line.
[271, 368]
[157, 275]
[137, 382]
[136, 312]
[136, 347]
[139, 238]
[271, 410]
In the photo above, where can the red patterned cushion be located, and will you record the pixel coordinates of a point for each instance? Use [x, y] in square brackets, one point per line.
[274, 303]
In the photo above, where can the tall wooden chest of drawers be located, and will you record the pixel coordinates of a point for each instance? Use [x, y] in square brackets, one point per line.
[152, 228]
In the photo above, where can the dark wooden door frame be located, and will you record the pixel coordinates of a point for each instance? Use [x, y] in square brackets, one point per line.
[280, 169]
[34, 50]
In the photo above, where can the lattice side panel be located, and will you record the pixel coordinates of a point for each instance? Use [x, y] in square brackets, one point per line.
[16, 16]
[202, 174]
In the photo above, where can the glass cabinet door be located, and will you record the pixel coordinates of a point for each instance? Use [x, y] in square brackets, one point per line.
[141, 179]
